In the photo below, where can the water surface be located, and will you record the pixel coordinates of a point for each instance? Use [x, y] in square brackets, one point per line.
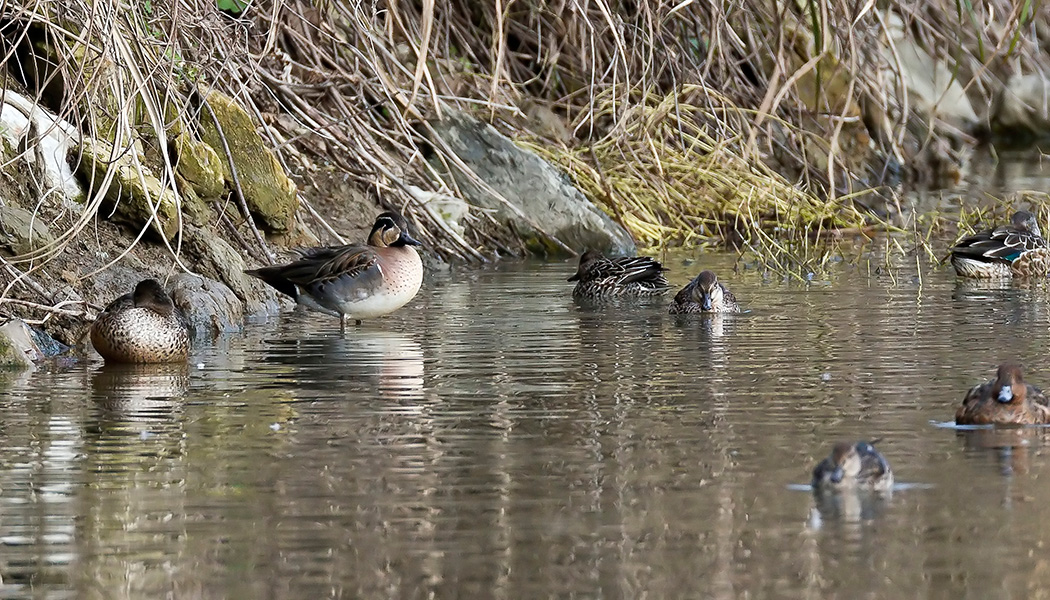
[496, 440]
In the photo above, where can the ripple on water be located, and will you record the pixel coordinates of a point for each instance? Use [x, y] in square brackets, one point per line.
[498, 439]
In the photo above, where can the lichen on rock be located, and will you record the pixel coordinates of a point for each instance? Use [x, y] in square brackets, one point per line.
[268, 191]
[22, 231]
[133, 194]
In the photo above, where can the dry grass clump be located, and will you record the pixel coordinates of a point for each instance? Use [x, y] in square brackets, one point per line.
[671, 181]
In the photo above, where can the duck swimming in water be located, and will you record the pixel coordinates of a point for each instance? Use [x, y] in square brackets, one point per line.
[143, 326]
[1006, 400]
[601, 278]
[853, 466]
[704, 294]
[1014, 250]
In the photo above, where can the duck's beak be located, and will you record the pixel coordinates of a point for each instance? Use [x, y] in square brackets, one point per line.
[836, 475]
[408, 239]
[706, 301]
[1006, 394]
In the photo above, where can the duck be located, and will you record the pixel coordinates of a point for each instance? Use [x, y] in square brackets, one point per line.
[1014, 250]
[853, 466]
[143, 326]
[600, 278]
[1006, 400]
[704, 294]
[358, 281]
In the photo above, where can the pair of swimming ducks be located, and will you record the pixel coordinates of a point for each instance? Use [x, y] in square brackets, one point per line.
[601, 278]
[1005, 400]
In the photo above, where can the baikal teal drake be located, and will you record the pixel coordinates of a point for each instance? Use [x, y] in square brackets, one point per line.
[704, 294]
[1006, 400]
[853, 466]
[142, 327]
[601, 278]
[355, 281]
[1014, 250]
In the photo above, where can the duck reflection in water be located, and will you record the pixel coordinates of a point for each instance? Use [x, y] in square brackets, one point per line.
[1014, 447]
[361, 359]
[146, 391]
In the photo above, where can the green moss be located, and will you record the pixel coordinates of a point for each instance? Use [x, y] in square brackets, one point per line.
[270, 194]
[131, 192]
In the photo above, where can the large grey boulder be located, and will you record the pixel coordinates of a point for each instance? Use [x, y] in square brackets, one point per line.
[1022, 107]
[932, 84]
[524, 192]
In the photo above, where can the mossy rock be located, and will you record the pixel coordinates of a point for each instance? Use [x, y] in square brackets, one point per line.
[269, 192]
[200, 166]
[130, 194]
[21, 232]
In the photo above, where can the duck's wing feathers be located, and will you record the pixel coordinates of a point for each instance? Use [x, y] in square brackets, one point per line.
[317, 266]
[1003, 244]
[628, 269]
[1036, 395]
[973, 400]
[727, 296]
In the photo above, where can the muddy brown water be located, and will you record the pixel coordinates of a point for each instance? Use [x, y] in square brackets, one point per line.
[496, 440]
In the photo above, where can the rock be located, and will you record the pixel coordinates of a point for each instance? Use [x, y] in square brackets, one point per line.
[199, 166]
[1021, 107]
[20, 116]
[132, 192]
[21, 345]
[539, 199]
[210, 307]
[221, 261]
[449, 209]
[270, 194]
[21, 231]
[933, 88]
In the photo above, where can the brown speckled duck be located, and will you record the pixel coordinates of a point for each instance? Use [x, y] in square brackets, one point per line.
[601, 278]
[1006, 400]
[356, 281]
[853, 466]
[704, 294]
[142, 327]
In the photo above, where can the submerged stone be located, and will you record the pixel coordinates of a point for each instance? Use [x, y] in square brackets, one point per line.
[21, 345]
